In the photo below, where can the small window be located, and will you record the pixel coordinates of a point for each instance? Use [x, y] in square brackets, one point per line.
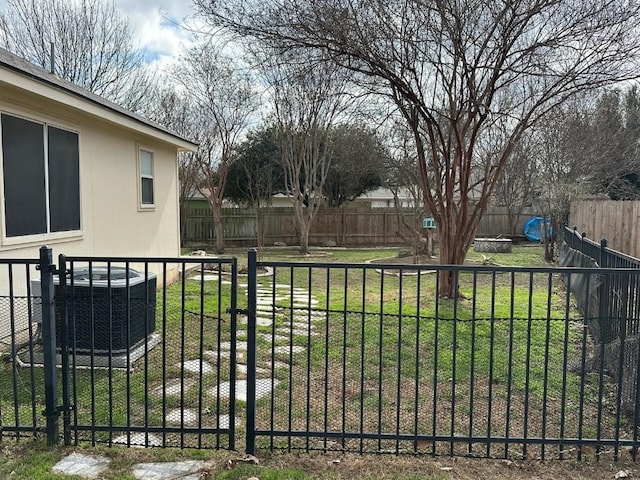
[146, 178]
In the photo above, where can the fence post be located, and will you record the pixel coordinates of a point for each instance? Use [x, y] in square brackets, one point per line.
[605, 327]
[47, 269]
[64, 349]
[252, 281]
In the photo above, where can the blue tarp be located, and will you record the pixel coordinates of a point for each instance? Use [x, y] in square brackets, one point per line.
[532, 228]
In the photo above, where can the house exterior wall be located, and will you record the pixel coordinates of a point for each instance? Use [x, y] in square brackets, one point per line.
[112, 222]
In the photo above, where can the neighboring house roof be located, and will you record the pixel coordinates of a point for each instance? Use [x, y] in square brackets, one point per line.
[14, 69]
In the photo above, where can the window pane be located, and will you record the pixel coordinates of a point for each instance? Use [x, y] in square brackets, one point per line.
[147, 191]
[23, 170]
[146, 163]
[64, 180]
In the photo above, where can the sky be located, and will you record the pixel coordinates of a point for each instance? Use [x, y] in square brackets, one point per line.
[157, 26]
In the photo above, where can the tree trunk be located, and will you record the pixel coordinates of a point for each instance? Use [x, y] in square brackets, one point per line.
[452, 252]
[217, 225]
[260, 233]
[304, 237]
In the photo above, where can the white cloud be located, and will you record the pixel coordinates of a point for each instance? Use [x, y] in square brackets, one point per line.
[158, 26]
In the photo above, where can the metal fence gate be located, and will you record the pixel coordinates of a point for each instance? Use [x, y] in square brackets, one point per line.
[138, 352]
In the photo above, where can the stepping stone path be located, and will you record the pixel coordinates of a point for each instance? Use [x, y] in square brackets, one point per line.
[87, 466]
[299, 325]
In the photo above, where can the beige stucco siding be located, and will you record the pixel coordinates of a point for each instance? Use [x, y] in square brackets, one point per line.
[112, 222]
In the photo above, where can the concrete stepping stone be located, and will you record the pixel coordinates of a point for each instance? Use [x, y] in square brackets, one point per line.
[187, 469]
[194, 366]
[275, 365]
[223, 422]
[264, 321]
[263, 387]
[299, 332]
[139, 439]
[303, 300]
[265, 308]
[212, 355]
[178, 415]
[240, 346]
[289, 349]
[242, 368]
[207, 277]
[86, 466]
[173, 387]
[304, 315]
[264, 301]
[274, 338]
[303, 325]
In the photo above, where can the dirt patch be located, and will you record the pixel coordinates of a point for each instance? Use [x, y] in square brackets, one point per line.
[332, 466]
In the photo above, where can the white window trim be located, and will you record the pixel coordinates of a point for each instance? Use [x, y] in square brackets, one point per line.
[146, 207]
[39, 238]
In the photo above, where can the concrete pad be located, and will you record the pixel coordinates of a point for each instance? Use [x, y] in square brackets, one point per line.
[168, 470]
[86, 466]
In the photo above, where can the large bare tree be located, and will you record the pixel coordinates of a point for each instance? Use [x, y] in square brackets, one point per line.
[93, 45]
[224, 104]
[455, 70]
[307, 102]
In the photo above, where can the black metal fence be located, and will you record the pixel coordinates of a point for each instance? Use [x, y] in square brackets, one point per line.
[139, 352]
[363, 358]
[377, 362]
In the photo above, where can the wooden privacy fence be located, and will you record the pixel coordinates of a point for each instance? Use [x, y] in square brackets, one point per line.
[352, 227]
[617, 221]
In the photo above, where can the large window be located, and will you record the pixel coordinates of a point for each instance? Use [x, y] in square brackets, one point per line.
[40, 167]
[146, 178]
